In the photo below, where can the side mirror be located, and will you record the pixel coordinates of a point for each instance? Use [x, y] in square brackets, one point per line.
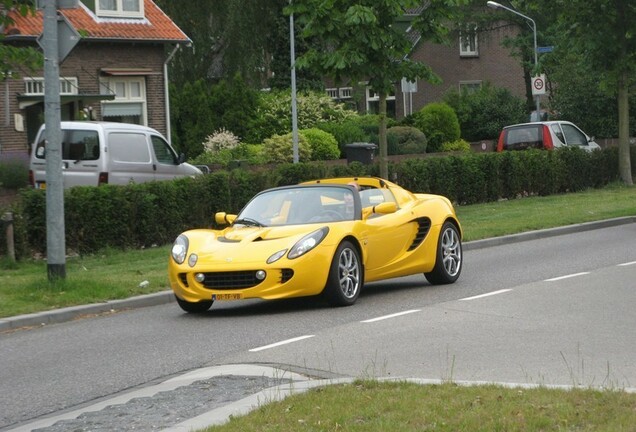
[222, 218]
[384, 208]
[181, 159]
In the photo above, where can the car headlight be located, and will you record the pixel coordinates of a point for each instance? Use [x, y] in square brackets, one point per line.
[307, 243]
[180, 249]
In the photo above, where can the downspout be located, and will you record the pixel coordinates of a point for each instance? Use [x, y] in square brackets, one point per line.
[167, 93]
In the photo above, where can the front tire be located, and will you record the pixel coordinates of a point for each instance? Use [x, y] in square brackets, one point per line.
[346, 276]
[190, 307]
[448, 261]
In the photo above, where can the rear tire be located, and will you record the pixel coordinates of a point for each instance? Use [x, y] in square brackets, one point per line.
[198, 307]
[346, 276]
[448, 261]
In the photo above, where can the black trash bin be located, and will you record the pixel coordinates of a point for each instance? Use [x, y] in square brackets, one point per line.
[360, 152]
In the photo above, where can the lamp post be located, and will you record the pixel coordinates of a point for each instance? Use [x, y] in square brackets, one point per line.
[495, 5]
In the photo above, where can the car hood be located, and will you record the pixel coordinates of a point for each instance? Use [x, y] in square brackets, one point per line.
[245, 244]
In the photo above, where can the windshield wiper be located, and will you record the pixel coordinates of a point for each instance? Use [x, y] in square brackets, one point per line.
[249, 222]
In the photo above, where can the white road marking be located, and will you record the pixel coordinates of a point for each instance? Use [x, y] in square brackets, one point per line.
[626, 264]
[486, 295]
[566, 276]
[288, 341]
[391, 316]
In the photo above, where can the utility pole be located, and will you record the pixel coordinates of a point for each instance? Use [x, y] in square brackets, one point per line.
[55, 232]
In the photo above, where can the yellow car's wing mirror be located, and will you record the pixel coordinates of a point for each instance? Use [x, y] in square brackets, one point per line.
[384, 208]
[222, 218]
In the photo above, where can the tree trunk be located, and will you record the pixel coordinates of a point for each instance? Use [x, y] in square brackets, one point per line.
[384, 164]
[624, 162]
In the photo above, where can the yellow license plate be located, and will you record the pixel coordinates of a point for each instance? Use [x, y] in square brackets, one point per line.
[216, 297]
[41, 185]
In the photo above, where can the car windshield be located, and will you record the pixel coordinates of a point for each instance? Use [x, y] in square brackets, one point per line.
[301, 205]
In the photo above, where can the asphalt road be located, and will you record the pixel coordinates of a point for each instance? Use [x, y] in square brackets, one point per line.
[535, 327]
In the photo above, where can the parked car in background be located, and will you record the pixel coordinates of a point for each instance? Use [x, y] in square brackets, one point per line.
[544, 135]
[97, 153]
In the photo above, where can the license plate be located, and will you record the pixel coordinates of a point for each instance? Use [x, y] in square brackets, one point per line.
[41, 185]
[216, 297]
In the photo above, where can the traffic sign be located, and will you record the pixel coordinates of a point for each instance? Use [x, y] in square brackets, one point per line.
[538, 85]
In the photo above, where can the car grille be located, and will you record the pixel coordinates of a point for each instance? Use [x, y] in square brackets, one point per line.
[423, 226]
[231, 280]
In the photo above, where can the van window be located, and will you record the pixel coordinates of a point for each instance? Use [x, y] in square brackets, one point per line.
[128, 147]
[163, 151]
[76, 145]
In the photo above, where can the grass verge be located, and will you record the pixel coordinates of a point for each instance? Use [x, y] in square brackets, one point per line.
[371, 406]
[24, 287]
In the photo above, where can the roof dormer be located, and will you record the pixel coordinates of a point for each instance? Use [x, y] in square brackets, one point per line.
[117, 8]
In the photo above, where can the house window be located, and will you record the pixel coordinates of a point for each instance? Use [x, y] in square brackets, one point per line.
[129, 105]
[373, 103]
[469, 87]
[35, 86]
[345, 92]
[120, 8]
[468, 46]
[333, 93]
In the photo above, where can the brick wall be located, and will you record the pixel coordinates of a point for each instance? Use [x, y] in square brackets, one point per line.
[493, 64]
[85, 63]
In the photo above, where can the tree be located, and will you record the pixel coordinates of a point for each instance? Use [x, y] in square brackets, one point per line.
[12, 58]
[358, 40]
[602, 32]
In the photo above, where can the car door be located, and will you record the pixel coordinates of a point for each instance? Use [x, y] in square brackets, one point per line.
[574, 136]
[130, 158]
[166, 163]
[388, 236]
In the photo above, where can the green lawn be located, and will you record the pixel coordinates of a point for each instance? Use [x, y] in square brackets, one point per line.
[24, 287]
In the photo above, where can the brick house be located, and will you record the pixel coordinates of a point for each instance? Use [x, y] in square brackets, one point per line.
[477, 57]
[117, 71]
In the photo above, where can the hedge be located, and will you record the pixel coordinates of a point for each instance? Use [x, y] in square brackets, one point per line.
[142, 215]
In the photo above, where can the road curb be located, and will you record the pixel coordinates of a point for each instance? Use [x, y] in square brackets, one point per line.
[68, 314]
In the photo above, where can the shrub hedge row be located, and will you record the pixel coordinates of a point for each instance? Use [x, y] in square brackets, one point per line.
[148, 214]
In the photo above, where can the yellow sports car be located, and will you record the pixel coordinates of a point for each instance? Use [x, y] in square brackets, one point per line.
[320, 237]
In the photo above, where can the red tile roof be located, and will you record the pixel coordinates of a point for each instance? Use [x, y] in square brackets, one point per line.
[156, 26]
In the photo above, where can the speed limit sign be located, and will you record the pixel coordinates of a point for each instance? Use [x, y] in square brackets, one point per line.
[538, 85]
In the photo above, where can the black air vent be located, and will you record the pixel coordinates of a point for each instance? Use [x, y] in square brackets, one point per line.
[423, 226]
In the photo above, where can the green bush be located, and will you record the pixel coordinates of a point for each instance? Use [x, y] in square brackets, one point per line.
[273, 116]
[482, 114]
[323, 145]
[279, 149]
[405, 140]
[459, 145]
[145, 214]
[252, 154]
[439, 123]
[345, 132]
[14, 174]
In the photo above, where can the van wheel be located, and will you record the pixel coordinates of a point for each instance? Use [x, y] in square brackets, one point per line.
[190, 307]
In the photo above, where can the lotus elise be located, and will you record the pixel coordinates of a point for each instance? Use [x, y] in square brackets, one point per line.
[324, 237]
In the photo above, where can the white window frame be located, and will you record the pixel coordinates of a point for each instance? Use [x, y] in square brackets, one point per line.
[108, 85]
[345, 92]
[332, 92]
[372, 96]
[35, 86]
[119, 11]
[468, 42]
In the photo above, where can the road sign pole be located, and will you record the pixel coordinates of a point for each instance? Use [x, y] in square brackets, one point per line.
[55, 232]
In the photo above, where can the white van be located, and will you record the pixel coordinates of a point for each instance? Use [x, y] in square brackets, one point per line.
[97, 153]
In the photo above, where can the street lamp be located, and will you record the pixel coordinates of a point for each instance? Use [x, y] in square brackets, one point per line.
[495, 5]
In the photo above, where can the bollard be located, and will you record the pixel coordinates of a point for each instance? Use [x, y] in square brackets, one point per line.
[7, 220]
